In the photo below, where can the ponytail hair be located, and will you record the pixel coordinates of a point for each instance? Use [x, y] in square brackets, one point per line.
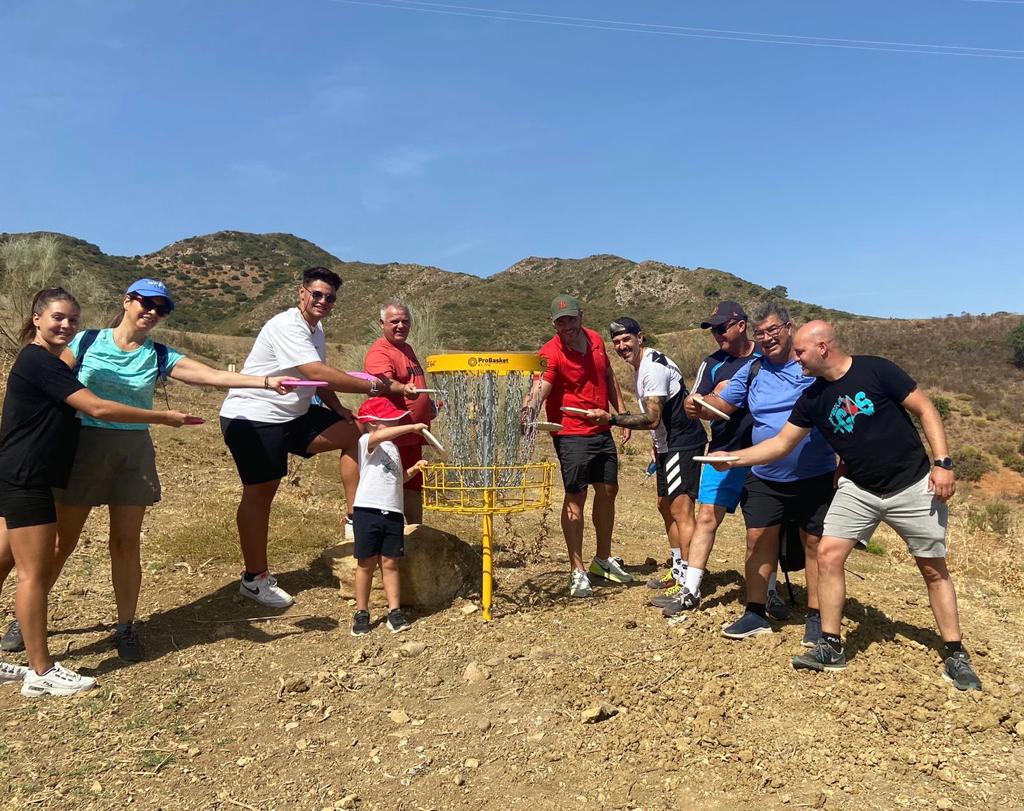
[40, 302]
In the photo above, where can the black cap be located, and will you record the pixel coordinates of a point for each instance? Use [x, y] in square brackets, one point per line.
[725, 312]
[624, 324]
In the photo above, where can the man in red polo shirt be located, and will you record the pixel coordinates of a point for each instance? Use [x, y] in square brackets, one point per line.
[392, 356]
[579, 375]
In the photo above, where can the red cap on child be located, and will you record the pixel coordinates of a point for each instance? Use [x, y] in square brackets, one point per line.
[380, 409]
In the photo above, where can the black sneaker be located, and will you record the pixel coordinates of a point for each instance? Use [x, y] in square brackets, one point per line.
[360, 623]
[12, 640]
[960, 672]
[821, 657]
[686, 601]
[129, 648]
[397, 621]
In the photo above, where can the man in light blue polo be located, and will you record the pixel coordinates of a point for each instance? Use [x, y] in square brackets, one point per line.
[798, 487]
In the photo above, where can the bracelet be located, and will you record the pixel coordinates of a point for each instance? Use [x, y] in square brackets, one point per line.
[611, 419]
[266, 382]
[373, 387]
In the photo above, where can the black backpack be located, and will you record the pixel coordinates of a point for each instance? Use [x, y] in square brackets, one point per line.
[791, 548]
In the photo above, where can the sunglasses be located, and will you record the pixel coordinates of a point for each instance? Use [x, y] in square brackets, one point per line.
[317, 295]
[148, 303]
[721, 328]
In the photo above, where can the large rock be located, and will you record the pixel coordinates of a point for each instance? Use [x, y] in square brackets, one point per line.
[436, 568]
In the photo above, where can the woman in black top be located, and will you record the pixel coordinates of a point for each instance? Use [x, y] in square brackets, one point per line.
[38, 437]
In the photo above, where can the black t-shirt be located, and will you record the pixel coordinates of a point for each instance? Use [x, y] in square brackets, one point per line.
[38, 430]
[860, 416]
[734, 433]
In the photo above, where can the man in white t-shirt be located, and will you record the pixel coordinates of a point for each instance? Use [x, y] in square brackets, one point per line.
[261, 427]
[675, 439]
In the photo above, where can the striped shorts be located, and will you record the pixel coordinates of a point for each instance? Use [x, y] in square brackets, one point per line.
[678, 474]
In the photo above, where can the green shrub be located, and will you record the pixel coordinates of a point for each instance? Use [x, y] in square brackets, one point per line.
[1016, 340]
[942, 406]
[971, 464]
[999, 517]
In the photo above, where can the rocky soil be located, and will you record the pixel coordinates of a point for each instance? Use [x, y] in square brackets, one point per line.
[556, 703]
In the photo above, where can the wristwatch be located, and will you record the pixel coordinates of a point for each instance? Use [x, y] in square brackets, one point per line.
[945, 462]
[611, 419]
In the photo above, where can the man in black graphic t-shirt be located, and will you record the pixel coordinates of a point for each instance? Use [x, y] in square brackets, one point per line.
[860, 405]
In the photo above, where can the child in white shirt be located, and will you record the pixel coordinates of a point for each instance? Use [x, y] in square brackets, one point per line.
[378, 519]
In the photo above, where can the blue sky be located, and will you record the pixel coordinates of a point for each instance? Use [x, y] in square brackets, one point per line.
[471, 134]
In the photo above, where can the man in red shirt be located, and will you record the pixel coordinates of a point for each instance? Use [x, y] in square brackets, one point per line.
[579, 375]
[392, 356]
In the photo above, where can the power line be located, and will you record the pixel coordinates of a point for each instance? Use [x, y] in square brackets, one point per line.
[506, 15]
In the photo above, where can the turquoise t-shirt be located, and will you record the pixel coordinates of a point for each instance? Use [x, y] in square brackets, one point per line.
[124, 377]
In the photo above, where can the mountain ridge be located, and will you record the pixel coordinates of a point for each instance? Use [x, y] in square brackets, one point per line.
[230, 282]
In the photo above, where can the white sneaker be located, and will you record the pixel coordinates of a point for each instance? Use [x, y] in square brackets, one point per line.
[610, 569]
[57, 681]
[12, 672]
[579, 584]
[264, 589]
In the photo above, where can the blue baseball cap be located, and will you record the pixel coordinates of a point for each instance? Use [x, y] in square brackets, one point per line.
[151, 288]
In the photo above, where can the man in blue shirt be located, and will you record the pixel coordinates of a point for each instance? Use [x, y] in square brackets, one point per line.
[797, 487]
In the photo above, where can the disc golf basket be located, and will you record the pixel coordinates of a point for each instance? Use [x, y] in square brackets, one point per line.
[488, 471]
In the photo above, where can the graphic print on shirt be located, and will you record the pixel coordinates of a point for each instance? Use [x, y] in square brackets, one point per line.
[846, 411]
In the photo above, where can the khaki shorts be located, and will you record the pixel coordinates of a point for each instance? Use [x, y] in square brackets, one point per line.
[915, 514]
[112, 467]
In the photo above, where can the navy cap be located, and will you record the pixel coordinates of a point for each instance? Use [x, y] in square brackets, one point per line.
[725, 312]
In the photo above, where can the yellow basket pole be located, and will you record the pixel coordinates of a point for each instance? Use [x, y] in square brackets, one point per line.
[487, 537]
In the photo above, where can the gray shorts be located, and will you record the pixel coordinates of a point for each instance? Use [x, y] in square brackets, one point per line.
[112, 466]
[915, 514]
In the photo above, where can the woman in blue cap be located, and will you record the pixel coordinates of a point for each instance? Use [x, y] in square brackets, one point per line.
[115, 464]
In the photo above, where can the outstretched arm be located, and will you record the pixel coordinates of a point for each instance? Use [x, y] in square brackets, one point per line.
[651, 418]
[107, 410]
[195, 373]
[941, 481]
[763, 452]
[339, 381]
[392, 432]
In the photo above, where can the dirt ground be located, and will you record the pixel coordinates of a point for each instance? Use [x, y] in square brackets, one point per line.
[240, 707]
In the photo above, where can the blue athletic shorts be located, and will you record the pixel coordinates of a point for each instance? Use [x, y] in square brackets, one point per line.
[722, 489]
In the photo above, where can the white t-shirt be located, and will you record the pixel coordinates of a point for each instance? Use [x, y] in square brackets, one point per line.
[381, 477]
[658, 376]
[285, 342]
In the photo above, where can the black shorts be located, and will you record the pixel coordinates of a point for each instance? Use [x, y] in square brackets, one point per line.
[26, 506]
[378, 532]
[586, 460]
[805, 501]
[260, 449]
[677, 474]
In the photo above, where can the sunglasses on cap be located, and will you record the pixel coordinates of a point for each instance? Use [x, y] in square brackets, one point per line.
[148, 303]
[317, 295]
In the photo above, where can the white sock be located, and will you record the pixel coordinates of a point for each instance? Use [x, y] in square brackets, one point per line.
[773, 580]
[677, 557]
[693, 578]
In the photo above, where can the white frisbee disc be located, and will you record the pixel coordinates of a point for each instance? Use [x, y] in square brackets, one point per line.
[432, 441]
[721, 414]
[571, 410]
[543, 425]
[710, 459]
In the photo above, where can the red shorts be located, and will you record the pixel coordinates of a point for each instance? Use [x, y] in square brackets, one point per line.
[410, 455]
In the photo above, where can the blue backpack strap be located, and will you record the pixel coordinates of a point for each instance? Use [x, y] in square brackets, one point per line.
[161, 361]
[88, 339]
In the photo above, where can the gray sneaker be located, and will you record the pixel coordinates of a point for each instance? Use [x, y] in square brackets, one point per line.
[812, 631]
[776, 607]
[12, 640]
[750, 624]
[686, 601]
[960, 672]
[821, 657]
